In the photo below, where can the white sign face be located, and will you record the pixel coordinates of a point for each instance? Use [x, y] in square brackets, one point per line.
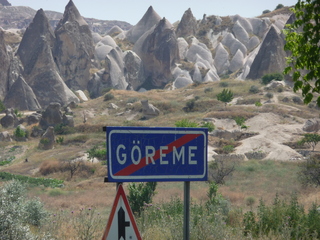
[121, 224]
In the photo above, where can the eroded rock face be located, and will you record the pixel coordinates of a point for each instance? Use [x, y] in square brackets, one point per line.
[149, 20]
[10, 119]
[73, 48]
[4, 66]
[188, 25]
[21, 97]
[148, 110]
[271, 56]
[52, 116]
[312, 125]
[158, 50]
[47, 140]
[40, 71]
[133, 70]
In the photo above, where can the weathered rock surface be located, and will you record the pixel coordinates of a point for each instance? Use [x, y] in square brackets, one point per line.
[73, 48]
[149, 20]
[188, 25]
[10, 119]
[52, 116]
[5, 137]
[148, 110]
[21, 97]
[33, 118]
[47, 140]
[158, 50]
[312, 125]
[271, 56]
[133, 70]
[4, 66]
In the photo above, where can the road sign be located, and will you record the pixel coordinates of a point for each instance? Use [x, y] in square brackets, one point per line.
[121, 224]
[146, 154]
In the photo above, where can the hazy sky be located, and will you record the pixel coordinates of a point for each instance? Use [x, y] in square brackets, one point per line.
[132, 11]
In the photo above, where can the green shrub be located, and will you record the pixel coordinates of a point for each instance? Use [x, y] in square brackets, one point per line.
[279, 6]
[140, 194]
[96, 152]
[19, 133]
[208, 125]
[186, 123]
[266, 11]
[209, 89]
[224, 84]
[266, 79]
[269, 95]
[254, 89]
[225, 96]
[108, 97]
[62, 129]
[228, 149]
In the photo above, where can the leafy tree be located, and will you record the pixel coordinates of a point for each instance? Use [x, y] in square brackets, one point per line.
[225, 96]
[266, 11]
[220, 169]
[279, 6]
[19, 133]
[266, 79]
[311, 139]
[302, 40]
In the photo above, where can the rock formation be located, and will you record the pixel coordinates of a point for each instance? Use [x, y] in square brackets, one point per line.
[188, 25]
[148, 110]
[4, 66]
[312, 125]
[10, 119]
[149, 20]
[5, 137]
[21, 97]
[5, 3]
[47, 140]
[52, 116]
[158, 50]
[271, 56]
[40, 71]
[73, 48]
[133, 70]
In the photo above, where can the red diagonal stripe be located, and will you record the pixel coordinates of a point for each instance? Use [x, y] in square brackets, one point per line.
[177, 143]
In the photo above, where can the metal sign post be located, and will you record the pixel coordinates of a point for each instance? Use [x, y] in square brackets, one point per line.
[186, 211]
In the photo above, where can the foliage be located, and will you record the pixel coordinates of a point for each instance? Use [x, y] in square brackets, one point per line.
[254, 89]
[279, 6]
[190, 104]
[228, 149]
[17, 213]
[2, 107]
[266, 11]
[266, 79]
[19, 133]
[309, 173]
[282, 218]
[302, 40]
[311, 139]
[47, 182]
[108, 97]
[17, 113]
[96, 152]
[220, 169]
[140, 194]
[186, 123]
[59, 140]
[225, 96]
[239, 121]
[63, 129]
[258, 104]
[224, 84]
[208, 125]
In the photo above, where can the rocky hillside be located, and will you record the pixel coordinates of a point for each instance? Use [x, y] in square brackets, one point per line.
[59, 54]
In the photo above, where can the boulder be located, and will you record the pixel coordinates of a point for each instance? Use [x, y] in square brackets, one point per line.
[148, 110]
[67, 120]
[5, 137]
[10, 119]
[21, 97]
[158, 50]
[311, 125]
[33, 118]
[188, 25]
[183, 47]
[149, 20]
[81, 96]
[52, 116]
[73, 48]
[236, 62]
[47, 140]
[221, 60]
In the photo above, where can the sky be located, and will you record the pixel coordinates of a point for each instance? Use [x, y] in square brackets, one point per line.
[131, 11]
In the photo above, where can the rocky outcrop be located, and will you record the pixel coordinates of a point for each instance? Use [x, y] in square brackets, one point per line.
[40, 71]
[21, 97]
[47, 140]
[5, 3]
[52, 116]
[5, 137]
[73, 48]
[148, 110]
[10, 119]
[4, 66]
[133, 70]
[158, 50]
[312, 125]
[271, 56]
[33, 118]
[149, 20]
[188, 25]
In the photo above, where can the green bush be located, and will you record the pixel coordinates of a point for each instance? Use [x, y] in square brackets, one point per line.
[140, 194]
[96, 152]
[228, 149]
[186, 123]
[225, 96]
[279, 6]
[62, 129]
[108, 97]
[269, 95]
[19, 133]
[208, 125]
[254, 89]
[266, 79]
[266, 11]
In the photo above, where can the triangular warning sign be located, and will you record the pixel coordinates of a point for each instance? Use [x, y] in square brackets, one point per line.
[121, 224]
